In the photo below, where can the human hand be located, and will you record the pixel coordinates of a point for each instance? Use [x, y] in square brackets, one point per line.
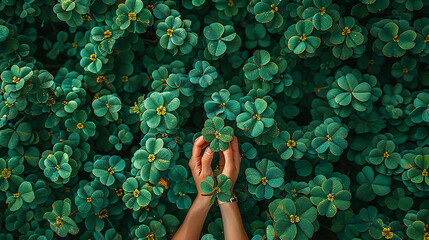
[229, 161]
[200, 164]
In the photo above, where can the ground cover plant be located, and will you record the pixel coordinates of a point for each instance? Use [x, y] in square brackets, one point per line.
[101, 101]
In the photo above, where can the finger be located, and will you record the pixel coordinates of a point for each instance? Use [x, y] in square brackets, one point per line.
[198, 146]
[236, 151]
[221, 162]
[206, 161]
[221, 159]
[229, 162]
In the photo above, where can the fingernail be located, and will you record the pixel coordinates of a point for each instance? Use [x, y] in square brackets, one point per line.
[209, 151]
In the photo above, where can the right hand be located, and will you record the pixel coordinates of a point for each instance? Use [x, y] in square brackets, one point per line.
[229, 161]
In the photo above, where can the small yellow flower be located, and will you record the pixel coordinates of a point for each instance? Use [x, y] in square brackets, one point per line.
[79, 126]
[264, 181]
[303, 37]
[93, 57]
[132, 16]
[161, 110]
[151, 158]
[136, 193]
[6, 173]
[15, 79]
[294, 219]
[346, 31]
[170, 32]
[107, 34]
[257, 116]
[291, 144]
[111, 171]
[330, 197]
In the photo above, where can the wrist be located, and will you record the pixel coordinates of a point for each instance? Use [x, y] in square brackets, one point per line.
[203, 201]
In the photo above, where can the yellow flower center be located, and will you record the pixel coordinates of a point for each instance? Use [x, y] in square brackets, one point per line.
[151, 158]
[151, 236]
[111, 171]
[405, 70]
[64, 103]
[386, 155]
[107, 34]
[150, 7]
[136, 193]
[274, 8]
[294, 218]
[346, 31]
[222, 105]
[6, 173]
[163, 183]
[291, 143]
[294, 193]
[264, 181]
[93, 57]
[57, 167]
[257, 117]
[230, 3]
[102, 214]
[119, 191]
[217, 189]
[161, 110]
[424, 173]
[330, 197]
[16, 195]
[15, 79]
[58, 222]
[100, 79]
[371, 62]
[303, 37]
[8, 104]
[322, 11]
[387, 234]
[124, 78]
[79, 126]
[132, 16]
[50, 101]
[170, 32]
[164, 135]
[427, 39]
[217, 134]
[395, 38]
[329, 138]
[88, 199]
[426, 236]
[74, 44]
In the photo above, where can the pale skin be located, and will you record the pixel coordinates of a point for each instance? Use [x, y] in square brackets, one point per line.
[200, 164]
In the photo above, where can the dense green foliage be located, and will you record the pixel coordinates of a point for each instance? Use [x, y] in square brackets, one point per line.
[101, 101]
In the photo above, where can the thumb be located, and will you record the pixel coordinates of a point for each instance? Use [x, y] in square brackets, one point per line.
[206, 161]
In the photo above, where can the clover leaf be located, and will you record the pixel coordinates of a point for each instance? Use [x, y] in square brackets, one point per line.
[221, 191]
[259, 66]
[293, 220]
[264, 179]
[135, 195]
[299, 40]
[329, 197]
[217, 134]
[109, 169]
[25, 194]
[152, 159]
[161, 111]
[203, 74]
[59, 219]
[131, 16]
[258, 117]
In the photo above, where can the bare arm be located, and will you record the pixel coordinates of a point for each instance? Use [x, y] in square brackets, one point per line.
[194, 221]
[232, 222]
[200, 165]
[231, 218]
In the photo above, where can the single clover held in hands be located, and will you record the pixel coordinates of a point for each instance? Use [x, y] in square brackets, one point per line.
[229, 165]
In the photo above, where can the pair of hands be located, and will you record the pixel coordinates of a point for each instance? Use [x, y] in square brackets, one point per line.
[200, 162]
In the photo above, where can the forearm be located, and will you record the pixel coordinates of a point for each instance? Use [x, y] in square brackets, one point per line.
[194, 221]
[232, 223]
